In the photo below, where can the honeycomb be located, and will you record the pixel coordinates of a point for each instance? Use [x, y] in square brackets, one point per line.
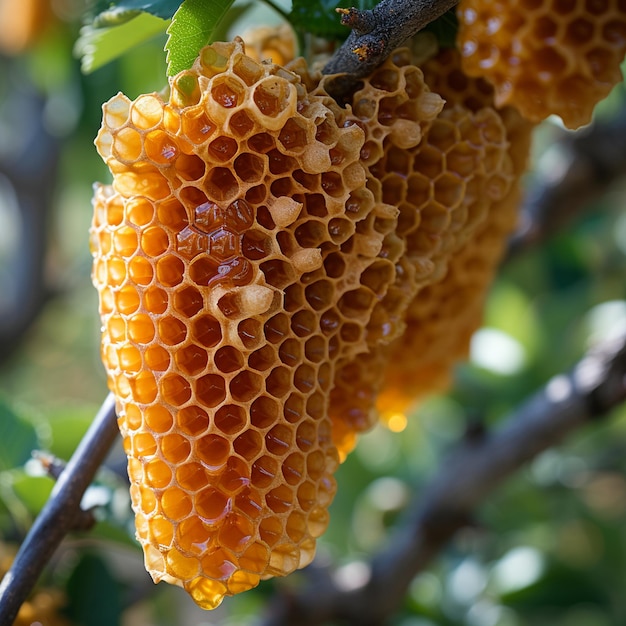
[545, 58]
[446, 177]
[395, 109]
[275, 43]
[442, 317]
[239, 258]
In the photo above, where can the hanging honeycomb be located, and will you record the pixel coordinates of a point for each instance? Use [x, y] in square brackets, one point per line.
[446, 177]
[544, 58]
[446, 312]
[239, 257]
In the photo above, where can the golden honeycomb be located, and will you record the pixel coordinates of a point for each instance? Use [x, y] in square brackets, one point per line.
[446, 177]
[277, 44]
[559, 57]
[239, 257]
[395, 109]
[444, 314]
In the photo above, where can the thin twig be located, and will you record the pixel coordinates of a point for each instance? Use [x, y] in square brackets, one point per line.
[376, 33]
[472, 472]
[59, 514]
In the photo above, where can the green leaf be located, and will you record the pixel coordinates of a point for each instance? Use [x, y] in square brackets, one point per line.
[99, 46]
[320, 18]
[18, 438]
[193, 27]
[68, 428]
[32, 491]
[110, 12]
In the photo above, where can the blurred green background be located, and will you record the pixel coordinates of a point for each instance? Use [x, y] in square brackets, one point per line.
[549, 548]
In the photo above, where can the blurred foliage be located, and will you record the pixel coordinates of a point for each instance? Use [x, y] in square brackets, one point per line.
[549, 549]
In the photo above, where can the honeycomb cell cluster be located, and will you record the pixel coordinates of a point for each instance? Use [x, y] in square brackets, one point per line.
[454, 181]
[239, 258]
[442, 317]
[559, 57]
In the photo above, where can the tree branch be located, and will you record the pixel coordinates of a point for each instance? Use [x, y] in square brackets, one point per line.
[472, 472]
[376, 33]
[59, 515]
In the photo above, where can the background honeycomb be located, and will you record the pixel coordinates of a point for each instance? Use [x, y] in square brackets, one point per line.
[445, 313]
[239, 257]
[558, 57]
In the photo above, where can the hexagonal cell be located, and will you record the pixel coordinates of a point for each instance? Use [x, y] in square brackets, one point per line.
[307, 495]
[155, 300]
[180, 566]
[140, 328]
[264, 471]
[219, 564]
[270, 530]
[614, 32]
[222, 149]
[262, 359]
[175, 448]
[129, 358]
[240, 123]
[306, 435]
[224, 244]
[236, 533]
[158, 474]
[249, 503]
[188, 301]
[193, 536]
[206, 330]
[140, 270]
[272, 95]
[249, 167]
[264, 412]
[190, 243]
[203, 271]
[279, 439]
[210, 390]
[316, 405]
[280, 499]
[154, 241]
[192, 477]
[220, 184]
[197, 126]
[193, 420]
[160, 147]
[293, 408]
[296, 526]
[304, 323]
[158, 418]
[230, 419]
[125, 241]
[228, 359]
[175, 503]
[250, 332]
[175, 389]
[278, 382]
[127, 300]
[597, 7]
[249, 444]
[212, 450]
[602, 65]
[146, 111]
[172, 331]
[294, 468]
[235, 477]
[161, 530]
[116, 270]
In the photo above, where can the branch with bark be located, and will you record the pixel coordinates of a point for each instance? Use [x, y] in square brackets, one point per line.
[472, 472]
[376, 33]
[61, 514]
